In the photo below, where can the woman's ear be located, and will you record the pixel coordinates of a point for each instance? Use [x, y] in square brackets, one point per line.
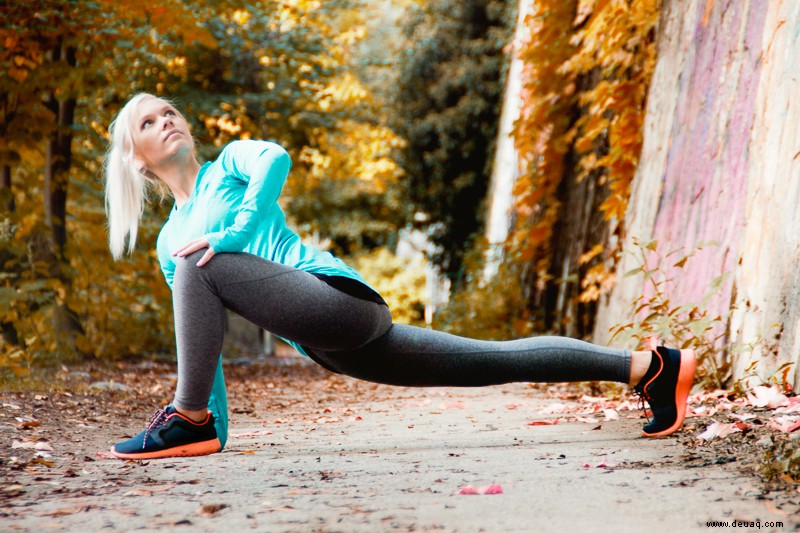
[140, 165]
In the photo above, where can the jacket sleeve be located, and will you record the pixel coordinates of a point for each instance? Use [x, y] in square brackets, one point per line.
[263, 166]
[164, 258]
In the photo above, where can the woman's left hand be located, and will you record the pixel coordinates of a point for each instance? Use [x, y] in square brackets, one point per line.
[194, 245]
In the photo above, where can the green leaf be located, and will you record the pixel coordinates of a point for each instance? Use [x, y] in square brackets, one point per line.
[7, 297]
[33, 286]
[633, 272]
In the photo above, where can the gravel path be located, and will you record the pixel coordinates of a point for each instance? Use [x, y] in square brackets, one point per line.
[331, 454]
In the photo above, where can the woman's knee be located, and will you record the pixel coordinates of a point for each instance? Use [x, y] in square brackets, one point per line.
[186, 270]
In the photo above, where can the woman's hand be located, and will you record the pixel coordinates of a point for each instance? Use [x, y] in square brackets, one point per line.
[194, 245]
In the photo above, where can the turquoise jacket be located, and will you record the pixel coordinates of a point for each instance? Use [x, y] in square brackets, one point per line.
[235, 203]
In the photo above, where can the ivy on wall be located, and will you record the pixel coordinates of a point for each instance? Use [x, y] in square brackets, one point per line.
[587, 69]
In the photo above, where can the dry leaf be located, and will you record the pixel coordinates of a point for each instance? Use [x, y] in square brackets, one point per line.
[602, 464]
[786, 424]
[138, 492]
[718, 429]
[419, 403]
[553, 408]
[771, 397]
[211, 509]
[248, 434]
[545, 422]
[486, 489]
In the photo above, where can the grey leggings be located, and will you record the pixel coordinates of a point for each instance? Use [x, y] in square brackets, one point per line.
[354, 335]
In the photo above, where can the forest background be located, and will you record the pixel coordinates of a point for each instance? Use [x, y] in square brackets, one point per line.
[390, 112]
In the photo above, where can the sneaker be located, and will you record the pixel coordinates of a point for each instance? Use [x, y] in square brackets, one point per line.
[170, 434]
[665, 386]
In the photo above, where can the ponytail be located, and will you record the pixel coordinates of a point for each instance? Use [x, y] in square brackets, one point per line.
[127, 184]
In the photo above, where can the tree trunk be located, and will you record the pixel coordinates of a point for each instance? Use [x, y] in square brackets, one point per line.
[6, 193]
[9, 332]
[58, 158]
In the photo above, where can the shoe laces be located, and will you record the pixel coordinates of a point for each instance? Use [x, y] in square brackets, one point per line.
[644, 399]
[156, 419]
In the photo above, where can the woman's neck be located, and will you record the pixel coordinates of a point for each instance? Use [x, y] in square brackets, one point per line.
[180, 178]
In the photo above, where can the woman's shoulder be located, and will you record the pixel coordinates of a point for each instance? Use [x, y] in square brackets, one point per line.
[246, 148]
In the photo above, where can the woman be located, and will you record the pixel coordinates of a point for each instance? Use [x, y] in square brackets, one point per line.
[226, 245]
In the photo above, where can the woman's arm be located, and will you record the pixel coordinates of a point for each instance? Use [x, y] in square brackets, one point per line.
[164, 259]
[263, 166]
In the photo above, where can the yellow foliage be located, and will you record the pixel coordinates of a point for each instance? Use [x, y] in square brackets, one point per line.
[611, 42]
[347, 90]
[401, 283]
[355, 150]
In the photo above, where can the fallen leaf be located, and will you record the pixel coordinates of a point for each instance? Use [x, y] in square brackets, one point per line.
[786, 424]
[512, 406]
[491, 489]
[212, 509]
[718, 429]
[12, 491]
[486, 489]
[771, 397]
[248, 434]
[28, 424]
[138, 492]
[610, 414]
[602, 464]
[545, 422]
[43, 447]
[553, 408]
[62, 512]
[419, 403]
[454, 405]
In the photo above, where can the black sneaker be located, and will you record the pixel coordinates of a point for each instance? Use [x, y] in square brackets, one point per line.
[170, 434]
[665, 386]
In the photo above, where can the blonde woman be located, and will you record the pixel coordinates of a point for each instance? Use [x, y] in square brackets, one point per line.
[226, 245]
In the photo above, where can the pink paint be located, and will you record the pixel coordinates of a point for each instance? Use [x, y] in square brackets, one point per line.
[704, 184]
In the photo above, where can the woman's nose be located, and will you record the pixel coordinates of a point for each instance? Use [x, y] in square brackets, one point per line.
[167, 122]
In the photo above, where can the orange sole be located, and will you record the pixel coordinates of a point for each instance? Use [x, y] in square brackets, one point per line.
[187, 450]
[685, 380]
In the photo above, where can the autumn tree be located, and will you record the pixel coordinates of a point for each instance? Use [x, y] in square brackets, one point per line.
[274, 70]
[448, 101]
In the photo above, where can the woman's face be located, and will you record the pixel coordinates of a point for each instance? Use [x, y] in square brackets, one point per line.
[160, 133]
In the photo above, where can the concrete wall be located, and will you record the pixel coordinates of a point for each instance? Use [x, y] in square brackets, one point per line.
[720, 163]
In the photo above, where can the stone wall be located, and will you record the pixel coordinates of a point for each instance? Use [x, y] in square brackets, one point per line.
[721, 162]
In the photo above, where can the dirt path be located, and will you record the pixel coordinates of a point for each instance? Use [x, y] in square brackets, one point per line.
[315, 452]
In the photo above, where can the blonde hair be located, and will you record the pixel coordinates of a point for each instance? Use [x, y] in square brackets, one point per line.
[127, 183]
